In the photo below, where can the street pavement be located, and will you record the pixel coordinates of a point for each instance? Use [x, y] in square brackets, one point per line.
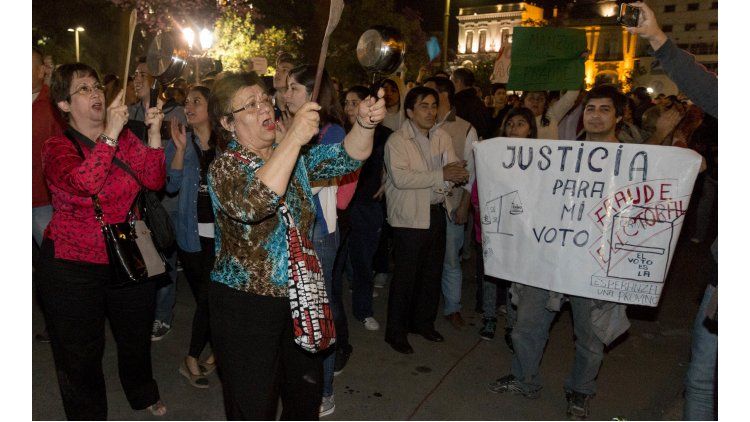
[641, 377]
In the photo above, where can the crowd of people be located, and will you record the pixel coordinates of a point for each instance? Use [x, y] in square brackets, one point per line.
[267, 189]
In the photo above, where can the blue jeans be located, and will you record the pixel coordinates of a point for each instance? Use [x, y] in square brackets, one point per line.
[367, 223]
[325, 247]
[166, 295]
[700, 383]
[451, 280]
[40, 217]
[530, 334]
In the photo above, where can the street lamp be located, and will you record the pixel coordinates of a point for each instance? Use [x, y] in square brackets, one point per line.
[206, 38]
[189, 36]
[76, 31]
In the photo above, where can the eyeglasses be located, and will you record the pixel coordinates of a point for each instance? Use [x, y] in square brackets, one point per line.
[253, 105]
[88, 90]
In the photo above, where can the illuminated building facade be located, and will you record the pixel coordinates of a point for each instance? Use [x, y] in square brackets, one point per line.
[615, 55]
[482, 30]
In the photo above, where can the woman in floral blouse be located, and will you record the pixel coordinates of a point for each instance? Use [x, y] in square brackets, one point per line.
[263, 166]
[76, 291]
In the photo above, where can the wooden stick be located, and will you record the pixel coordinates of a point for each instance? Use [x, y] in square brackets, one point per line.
[334, 16]
[133, 22]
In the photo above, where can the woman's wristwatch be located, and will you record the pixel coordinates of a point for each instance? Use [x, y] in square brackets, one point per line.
[107, 140]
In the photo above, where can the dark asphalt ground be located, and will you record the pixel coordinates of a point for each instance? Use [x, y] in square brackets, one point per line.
[641, 377]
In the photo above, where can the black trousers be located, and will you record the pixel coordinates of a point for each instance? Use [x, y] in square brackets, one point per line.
[258, 360]
[197, 267]
[76, 299]
[414, 293]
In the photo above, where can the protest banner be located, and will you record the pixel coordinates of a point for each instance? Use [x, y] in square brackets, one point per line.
[547, 59]
[591, 219]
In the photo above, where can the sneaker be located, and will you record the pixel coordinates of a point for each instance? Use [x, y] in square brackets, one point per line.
[327, 406]
[375, 293]
[342, 357]
[371, 324]
[159, 330]
[578, 404]
[510, 384]
[488, 330]
[379, 280]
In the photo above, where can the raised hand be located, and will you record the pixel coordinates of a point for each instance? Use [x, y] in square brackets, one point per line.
[371, 111]
[648, 27]
[154, 117]
[305, 124]
[179, 137]
[117, 117]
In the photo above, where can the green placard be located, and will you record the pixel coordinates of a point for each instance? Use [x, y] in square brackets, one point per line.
[547, 59]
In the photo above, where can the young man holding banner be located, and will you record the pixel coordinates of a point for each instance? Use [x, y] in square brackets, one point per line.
[596, 322]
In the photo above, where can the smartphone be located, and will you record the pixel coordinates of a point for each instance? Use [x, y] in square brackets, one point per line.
[628, 15]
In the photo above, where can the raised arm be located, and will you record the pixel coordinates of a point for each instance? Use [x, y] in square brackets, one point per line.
[691, 77]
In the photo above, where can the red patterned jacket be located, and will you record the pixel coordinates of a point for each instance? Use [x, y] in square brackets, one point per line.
[74, 230]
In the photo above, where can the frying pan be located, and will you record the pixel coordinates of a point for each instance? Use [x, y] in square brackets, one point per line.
[166, 60]
[380, 50]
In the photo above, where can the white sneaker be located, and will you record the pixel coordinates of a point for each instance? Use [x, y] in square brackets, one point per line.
[327, 406]
[371, 324]
[379, 280]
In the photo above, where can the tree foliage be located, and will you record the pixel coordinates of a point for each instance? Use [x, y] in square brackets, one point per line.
[238, 39]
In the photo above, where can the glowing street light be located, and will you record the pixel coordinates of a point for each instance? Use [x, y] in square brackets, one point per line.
[189, 36]
[206, 38]
[76, 31]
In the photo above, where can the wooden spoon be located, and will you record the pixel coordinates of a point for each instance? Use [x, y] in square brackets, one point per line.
[334, 16]
[133, 22]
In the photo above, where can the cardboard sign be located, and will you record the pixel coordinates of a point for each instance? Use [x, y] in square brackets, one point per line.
[591, 219]
[546, 59]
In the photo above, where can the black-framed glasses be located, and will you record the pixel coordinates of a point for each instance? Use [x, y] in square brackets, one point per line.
[88, 90]
[253, 105]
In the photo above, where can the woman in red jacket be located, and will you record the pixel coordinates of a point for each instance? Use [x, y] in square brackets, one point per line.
[76, 290]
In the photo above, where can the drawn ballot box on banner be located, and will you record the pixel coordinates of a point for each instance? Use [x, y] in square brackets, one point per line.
[498, 212]
[640, 243]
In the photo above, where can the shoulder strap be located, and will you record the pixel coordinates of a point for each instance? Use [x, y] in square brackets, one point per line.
[72, 133]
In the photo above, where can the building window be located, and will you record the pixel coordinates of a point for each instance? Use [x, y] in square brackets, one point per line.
[666, 28]
[469, 41]
[669, 8]
[713, 25]
[690, 27]
[693, 6]
[482, 41]
[714, 5]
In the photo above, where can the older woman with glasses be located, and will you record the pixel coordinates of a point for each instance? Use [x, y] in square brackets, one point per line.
[259, 186]
[76, 289]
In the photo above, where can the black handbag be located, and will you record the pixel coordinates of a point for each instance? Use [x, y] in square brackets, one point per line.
[131, 250]
[132, 253]
[148, 201]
